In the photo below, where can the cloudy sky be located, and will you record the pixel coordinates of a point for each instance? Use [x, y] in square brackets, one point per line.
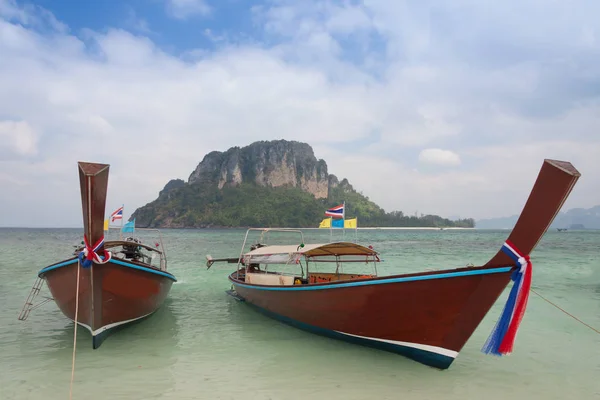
[445, 107]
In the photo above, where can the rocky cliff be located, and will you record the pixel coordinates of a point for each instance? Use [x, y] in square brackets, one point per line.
[274, 164]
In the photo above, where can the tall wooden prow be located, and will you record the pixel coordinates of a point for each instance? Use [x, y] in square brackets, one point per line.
[552, 187]
[93, 181]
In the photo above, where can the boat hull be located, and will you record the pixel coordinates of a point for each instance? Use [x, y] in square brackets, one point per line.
[111, 295]
[425, 317]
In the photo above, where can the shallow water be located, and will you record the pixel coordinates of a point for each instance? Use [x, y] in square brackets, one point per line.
[204, 344]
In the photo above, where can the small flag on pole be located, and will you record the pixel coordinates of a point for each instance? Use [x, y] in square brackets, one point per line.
[118, 214]
[129, 227]
[350, 223]
[337, 223]
[326, 223]
[335, 212]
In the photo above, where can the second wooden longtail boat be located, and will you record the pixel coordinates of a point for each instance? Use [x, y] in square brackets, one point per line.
[118, 283]
[426, 316]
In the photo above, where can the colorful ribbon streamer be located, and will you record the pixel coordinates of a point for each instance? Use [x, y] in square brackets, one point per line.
[502, 338]
[89, 254]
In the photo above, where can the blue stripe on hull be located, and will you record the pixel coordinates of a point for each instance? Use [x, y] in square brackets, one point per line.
[113, 261]
[367, 282]
[428, 358]
[59, 265]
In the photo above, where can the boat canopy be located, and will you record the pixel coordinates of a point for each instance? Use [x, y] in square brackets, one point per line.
[291, 254]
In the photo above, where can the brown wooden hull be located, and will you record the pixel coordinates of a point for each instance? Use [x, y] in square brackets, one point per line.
[427, 317]
[111, 295]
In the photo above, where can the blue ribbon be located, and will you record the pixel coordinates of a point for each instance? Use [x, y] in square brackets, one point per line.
[492, 344]
[85, 263]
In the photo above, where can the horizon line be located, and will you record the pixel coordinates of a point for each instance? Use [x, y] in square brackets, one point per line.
[246, 227]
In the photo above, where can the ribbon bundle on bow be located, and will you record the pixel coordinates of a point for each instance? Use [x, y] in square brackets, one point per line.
[502, 338]
[89, 255]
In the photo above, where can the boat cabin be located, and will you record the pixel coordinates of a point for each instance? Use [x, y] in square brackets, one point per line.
[300, 264]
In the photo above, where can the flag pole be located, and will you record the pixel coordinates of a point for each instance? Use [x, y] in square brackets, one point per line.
[122, 218]
[344, 221]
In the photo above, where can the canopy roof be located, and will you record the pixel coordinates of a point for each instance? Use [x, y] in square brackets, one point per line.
[292, 253]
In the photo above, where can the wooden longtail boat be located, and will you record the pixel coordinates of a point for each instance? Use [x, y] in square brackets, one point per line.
[118, 283]
[426, 316]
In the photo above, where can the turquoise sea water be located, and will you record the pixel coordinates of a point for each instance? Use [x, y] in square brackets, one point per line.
[202, 344]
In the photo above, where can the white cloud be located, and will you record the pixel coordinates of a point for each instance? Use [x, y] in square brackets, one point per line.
[17, 137]
[439, 157]
[408, 84]
[183, 9]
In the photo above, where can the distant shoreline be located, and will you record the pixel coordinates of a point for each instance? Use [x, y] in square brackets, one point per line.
[246, 227]
[433, 228]
[366, 228]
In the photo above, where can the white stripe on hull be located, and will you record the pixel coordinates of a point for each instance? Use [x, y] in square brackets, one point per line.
[109, 326]
[425, 347]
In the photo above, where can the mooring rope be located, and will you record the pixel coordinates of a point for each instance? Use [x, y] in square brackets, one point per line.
[566, 312]
[75, 331]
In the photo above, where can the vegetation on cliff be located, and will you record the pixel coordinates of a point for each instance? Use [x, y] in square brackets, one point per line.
[267, 184]
[197, 206]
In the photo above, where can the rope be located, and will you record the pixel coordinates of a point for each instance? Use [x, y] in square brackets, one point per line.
[75, 332]
[569, 314]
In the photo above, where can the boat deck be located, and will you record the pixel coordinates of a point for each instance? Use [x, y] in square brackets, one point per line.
[279, 279]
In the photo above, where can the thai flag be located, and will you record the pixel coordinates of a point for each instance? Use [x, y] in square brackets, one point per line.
[118, 214]
[336, 212]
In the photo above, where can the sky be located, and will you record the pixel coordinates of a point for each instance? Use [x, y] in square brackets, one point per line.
[443, 107]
